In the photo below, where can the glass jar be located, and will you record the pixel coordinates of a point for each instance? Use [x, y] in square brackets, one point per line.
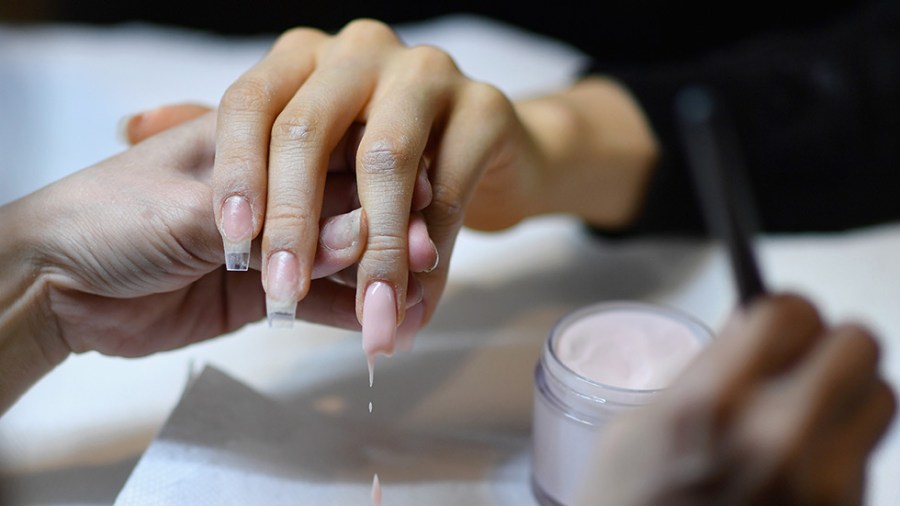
[599, 361]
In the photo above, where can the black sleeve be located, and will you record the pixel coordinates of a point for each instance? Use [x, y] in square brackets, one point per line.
[818, 117]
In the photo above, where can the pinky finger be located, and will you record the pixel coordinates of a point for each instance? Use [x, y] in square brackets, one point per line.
[423, 254]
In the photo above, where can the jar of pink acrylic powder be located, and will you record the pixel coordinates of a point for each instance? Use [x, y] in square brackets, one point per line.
[599, 361]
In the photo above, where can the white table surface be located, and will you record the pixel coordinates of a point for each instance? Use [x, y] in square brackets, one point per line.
[75, 437]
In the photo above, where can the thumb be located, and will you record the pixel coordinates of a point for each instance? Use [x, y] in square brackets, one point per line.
[138, 127]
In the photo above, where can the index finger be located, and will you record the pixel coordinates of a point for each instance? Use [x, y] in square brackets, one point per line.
[246, 114]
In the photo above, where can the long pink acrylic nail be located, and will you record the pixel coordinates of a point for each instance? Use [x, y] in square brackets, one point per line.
[379, 321]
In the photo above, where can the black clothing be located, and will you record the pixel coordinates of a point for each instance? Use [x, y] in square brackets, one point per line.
[617, 30]
[815, 87]
[818, 116]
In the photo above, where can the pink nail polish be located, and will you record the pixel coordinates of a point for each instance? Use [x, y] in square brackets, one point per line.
[237, 229]
[379, 320]
[282, 278]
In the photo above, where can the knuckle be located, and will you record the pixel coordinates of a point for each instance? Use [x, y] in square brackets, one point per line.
[298, 36]
[285, 216]
[387, 154]
[387, 243]
[797, 308]
[430, 60]
[490, 109]
[788, 311]
[385, 253]
[368, 30]
[294, 130]
[488, 98]
[248, 94]
[235, 168]
[862, 343]
[446, 208]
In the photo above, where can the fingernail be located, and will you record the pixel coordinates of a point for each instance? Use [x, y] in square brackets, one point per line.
[341, 232]
[410, 326]
[122, 127]
[416, 291]
[379, 319]
[423, 193]
[282, 276]
[237, 228]
[437, 258]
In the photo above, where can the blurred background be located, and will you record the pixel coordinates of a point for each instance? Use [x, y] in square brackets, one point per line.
[69, 70]
[629, 31]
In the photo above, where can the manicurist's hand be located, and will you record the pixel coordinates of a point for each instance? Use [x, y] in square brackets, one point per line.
[417, 135]
[781, 409]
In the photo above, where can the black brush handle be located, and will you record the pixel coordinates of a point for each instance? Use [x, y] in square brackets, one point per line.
[710, 144]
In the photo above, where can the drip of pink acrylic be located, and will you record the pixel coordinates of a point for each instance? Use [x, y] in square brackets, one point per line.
[370, 362]
[379, 324]
[379, 331]
[376, 491]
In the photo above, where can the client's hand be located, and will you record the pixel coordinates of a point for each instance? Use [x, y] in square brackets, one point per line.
[124, 257]
[780, 409]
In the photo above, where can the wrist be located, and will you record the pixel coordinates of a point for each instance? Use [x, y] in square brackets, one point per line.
[599, 151]
[29, 342]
